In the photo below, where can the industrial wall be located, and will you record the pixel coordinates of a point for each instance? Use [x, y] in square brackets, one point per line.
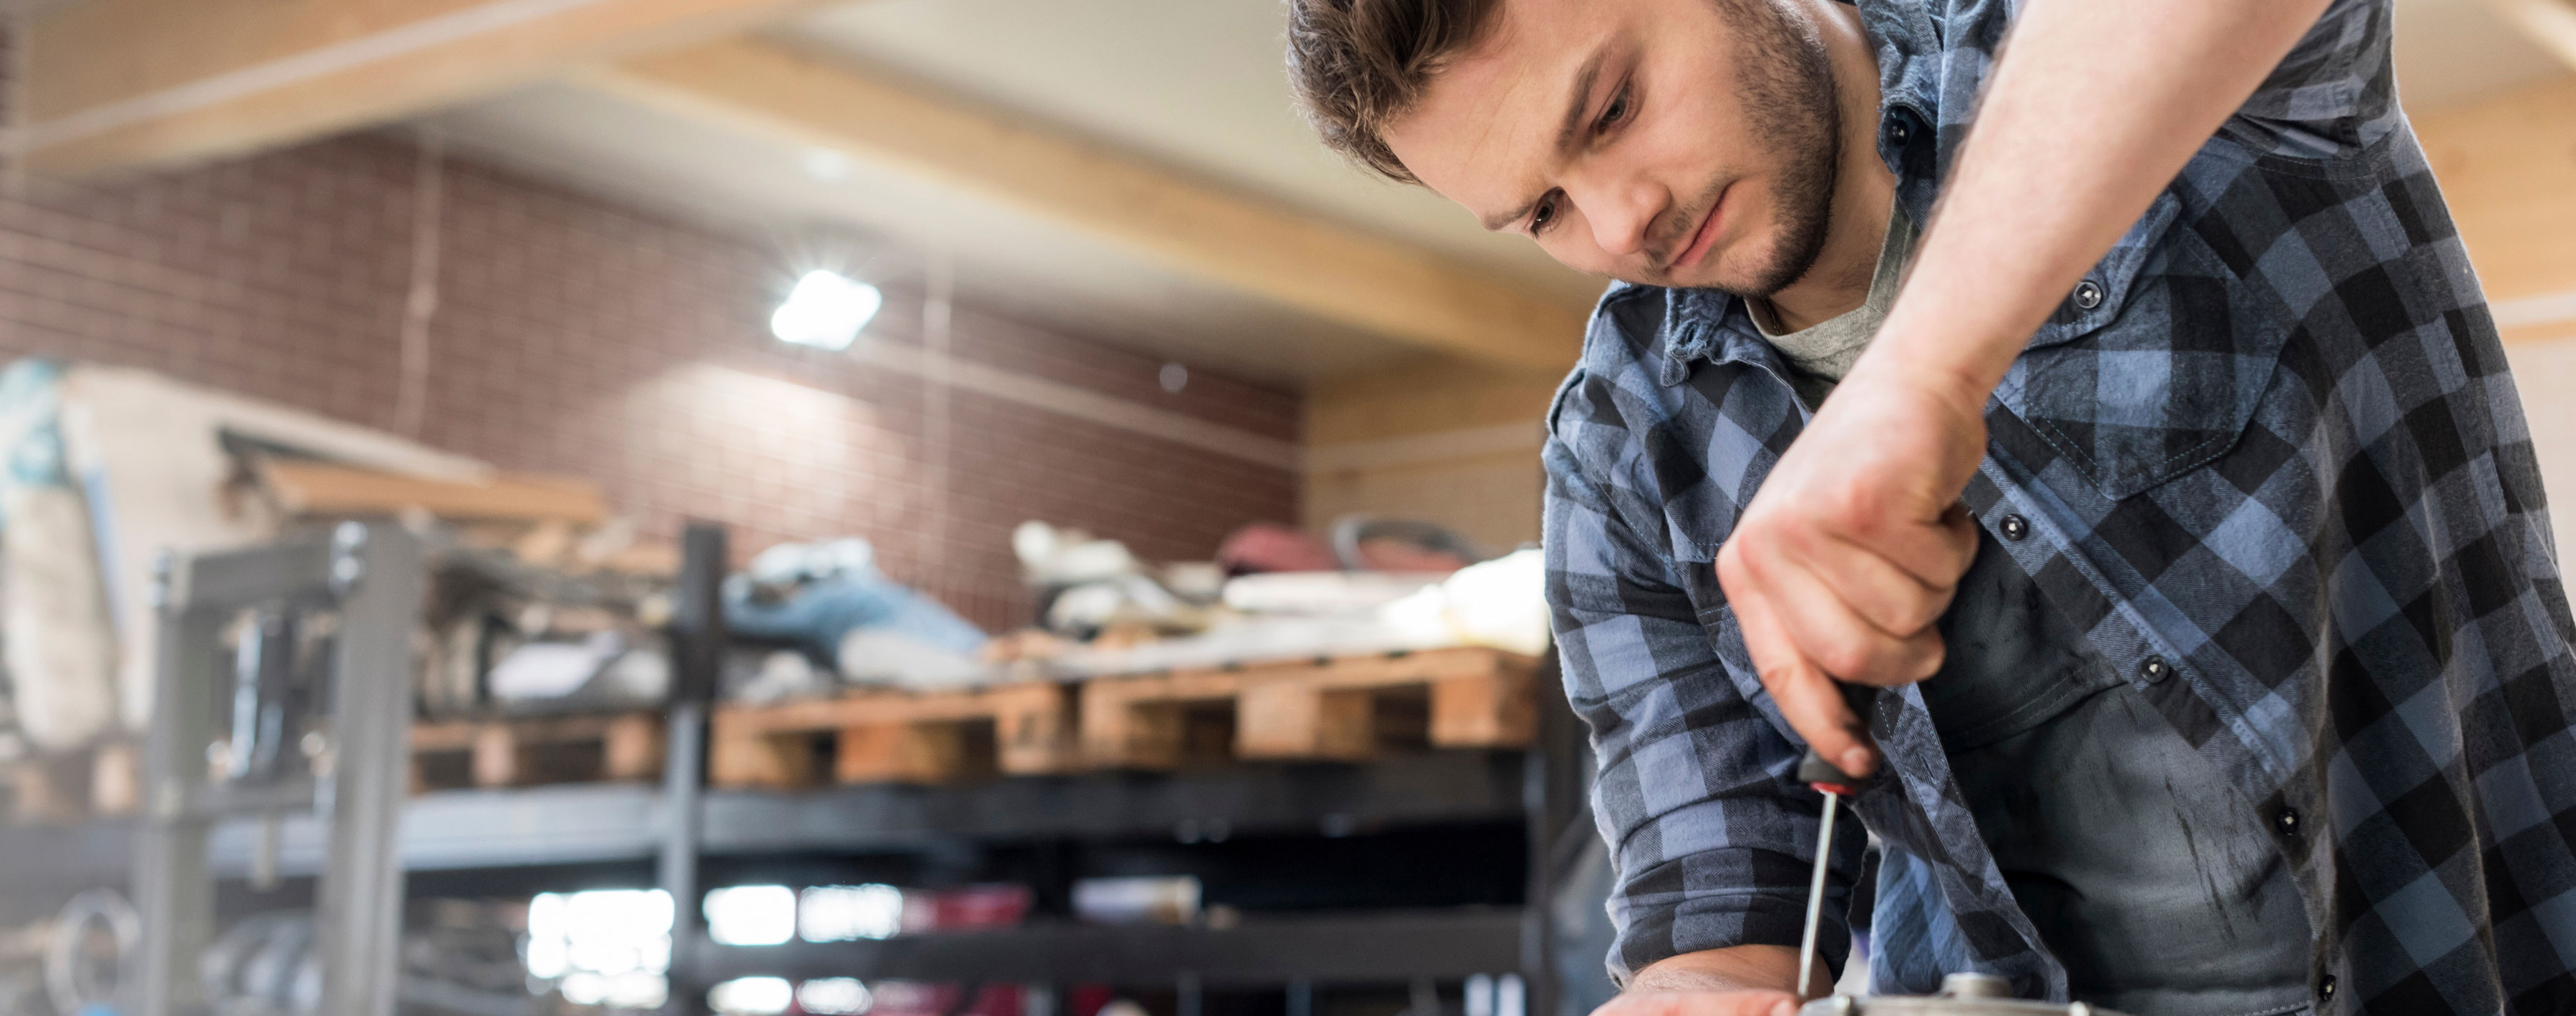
[1437, 440]
[574, 336]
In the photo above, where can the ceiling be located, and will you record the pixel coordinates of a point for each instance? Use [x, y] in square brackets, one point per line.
[1194, 85]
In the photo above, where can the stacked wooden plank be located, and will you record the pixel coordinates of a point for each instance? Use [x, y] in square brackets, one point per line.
[1337, 709]
[521, 751]
[1332, 709]
[1024, 728]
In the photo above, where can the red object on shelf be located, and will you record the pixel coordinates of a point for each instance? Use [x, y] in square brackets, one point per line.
[996, 1000]
[914, 998]
[996, 905]
[1271, 547]
[1087, 999]
[1002, 905]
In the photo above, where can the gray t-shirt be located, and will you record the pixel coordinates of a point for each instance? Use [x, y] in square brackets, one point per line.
[1819, 355]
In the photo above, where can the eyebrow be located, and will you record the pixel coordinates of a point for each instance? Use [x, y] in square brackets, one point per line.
[1578, 99]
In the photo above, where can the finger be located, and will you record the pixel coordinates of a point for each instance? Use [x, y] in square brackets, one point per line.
[1962, 543]
[1806, 698]
[1884, 596]
[1831, 634]
[1935, 552]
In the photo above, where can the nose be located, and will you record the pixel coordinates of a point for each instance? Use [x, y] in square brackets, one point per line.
[1620, 207]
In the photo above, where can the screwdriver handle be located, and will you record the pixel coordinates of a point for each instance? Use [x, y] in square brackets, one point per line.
[1815, 772]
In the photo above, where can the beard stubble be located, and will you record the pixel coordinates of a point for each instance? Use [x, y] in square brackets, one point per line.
[1787, 85]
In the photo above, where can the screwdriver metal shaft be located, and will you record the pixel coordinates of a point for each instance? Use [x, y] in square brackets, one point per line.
[1815, 772]
[1816, 891]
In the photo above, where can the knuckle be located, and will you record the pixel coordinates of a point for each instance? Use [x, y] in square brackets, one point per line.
[1848, 661]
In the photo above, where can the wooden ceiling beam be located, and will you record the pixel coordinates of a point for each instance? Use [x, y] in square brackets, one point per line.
[114, 84]
[1187, 225]
[2551, 23]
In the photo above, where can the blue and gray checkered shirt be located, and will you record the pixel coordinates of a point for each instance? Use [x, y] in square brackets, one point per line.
[2267, 457]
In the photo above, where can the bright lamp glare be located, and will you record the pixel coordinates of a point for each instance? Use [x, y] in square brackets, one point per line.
[751, 915]
[609, 946]
[839, 913]
[751, 996]
[833, 996]
[825, 311]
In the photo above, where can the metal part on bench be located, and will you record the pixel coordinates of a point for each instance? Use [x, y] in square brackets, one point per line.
[1961, 995]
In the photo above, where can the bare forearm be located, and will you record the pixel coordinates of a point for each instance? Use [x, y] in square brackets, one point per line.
[1750, 980]
[2091, 110]
[1743, 967]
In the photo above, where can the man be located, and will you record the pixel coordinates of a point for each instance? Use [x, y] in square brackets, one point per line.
[2185, 457]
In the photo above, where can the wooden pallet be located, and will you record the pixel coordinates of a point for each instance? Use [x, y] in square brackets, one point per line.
[529, 750]
[1022, 728]
[1343, 708]
[68, 787]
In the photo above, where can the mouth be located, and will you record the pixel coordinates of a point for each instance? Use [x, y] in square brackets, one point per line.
[1704, 237]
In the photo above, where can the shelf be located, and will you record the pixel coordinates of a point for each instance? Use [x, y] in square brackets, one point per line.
[589, 823]
[1264, 950]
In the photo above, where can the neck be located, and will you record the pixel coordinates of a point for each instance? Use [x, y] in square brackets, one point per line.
[1864, 190]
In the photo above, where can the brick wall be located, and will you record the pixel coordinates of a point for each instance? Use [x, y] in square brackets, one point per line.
[577, 336]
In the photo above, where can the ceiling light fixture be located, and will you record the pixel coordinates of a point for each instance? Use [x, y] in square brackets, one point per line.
[826, 164]
[825, 310]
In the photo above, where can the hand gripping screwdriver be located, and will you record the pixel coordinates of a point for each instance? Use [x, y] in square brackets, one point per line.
[1815, 772]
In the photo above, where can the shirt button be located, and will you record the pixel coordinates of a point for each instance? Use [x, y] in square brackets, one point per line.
[2287, 821]
[2014, 527]
[2154, 669]
[2088, 295]
[2325, 988]
[1898, 132]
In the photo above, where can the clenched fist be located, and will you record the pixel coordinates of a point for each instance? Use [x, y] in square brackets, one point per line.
[1851, 550]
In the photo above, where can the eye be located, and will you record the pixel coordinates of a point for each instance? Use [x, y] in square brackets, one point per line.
[1617, 110]
[1543, 214]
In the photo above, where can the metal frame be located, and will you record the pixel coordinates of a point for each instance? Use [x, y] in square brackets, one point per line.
[697, 651]
[370, 575]
[1264, 951]
[360, 800]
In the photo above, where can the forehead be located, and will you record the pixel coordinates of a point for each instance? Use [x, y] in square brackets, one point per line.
[1485, 126]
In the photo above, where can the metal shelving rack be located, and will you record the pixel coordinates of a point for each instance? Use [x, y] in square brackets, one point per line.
[596, 823]
[1291, 952]
[680, 825]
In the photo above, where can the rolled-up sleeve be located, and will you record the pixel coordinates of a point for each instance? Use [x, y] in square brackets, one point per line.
[1710, 836]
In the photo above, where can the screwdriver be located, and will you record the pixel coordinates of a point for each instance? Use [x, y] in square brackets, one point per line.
[1832, 782]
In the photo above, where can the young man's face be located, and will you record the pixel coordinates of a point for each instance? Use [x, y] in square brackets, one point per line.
[1666, 142]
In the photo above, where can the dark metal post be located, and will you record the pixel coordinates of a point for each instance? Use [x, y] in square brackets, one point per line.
[697, 650]
[1551, 792]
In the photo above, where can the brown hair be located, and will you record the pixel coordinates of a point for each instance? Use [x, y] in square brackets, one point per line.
[1357, 64]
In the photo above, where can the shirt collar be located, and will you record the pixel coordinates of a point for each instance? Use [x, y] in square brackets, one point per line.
[1712, 325]
[1717, 326]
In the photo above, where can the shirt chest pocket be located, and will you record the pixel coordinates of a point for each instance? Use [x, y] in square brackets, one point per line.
[2152, 367]
[1694, 529]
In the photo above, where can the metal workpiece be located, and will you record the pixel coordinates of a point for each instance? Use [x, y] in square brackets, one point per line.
[1961, 995]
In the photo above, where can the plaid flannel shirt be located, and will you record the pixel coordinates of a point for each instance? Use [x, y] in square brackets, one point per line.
[2267, 457]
